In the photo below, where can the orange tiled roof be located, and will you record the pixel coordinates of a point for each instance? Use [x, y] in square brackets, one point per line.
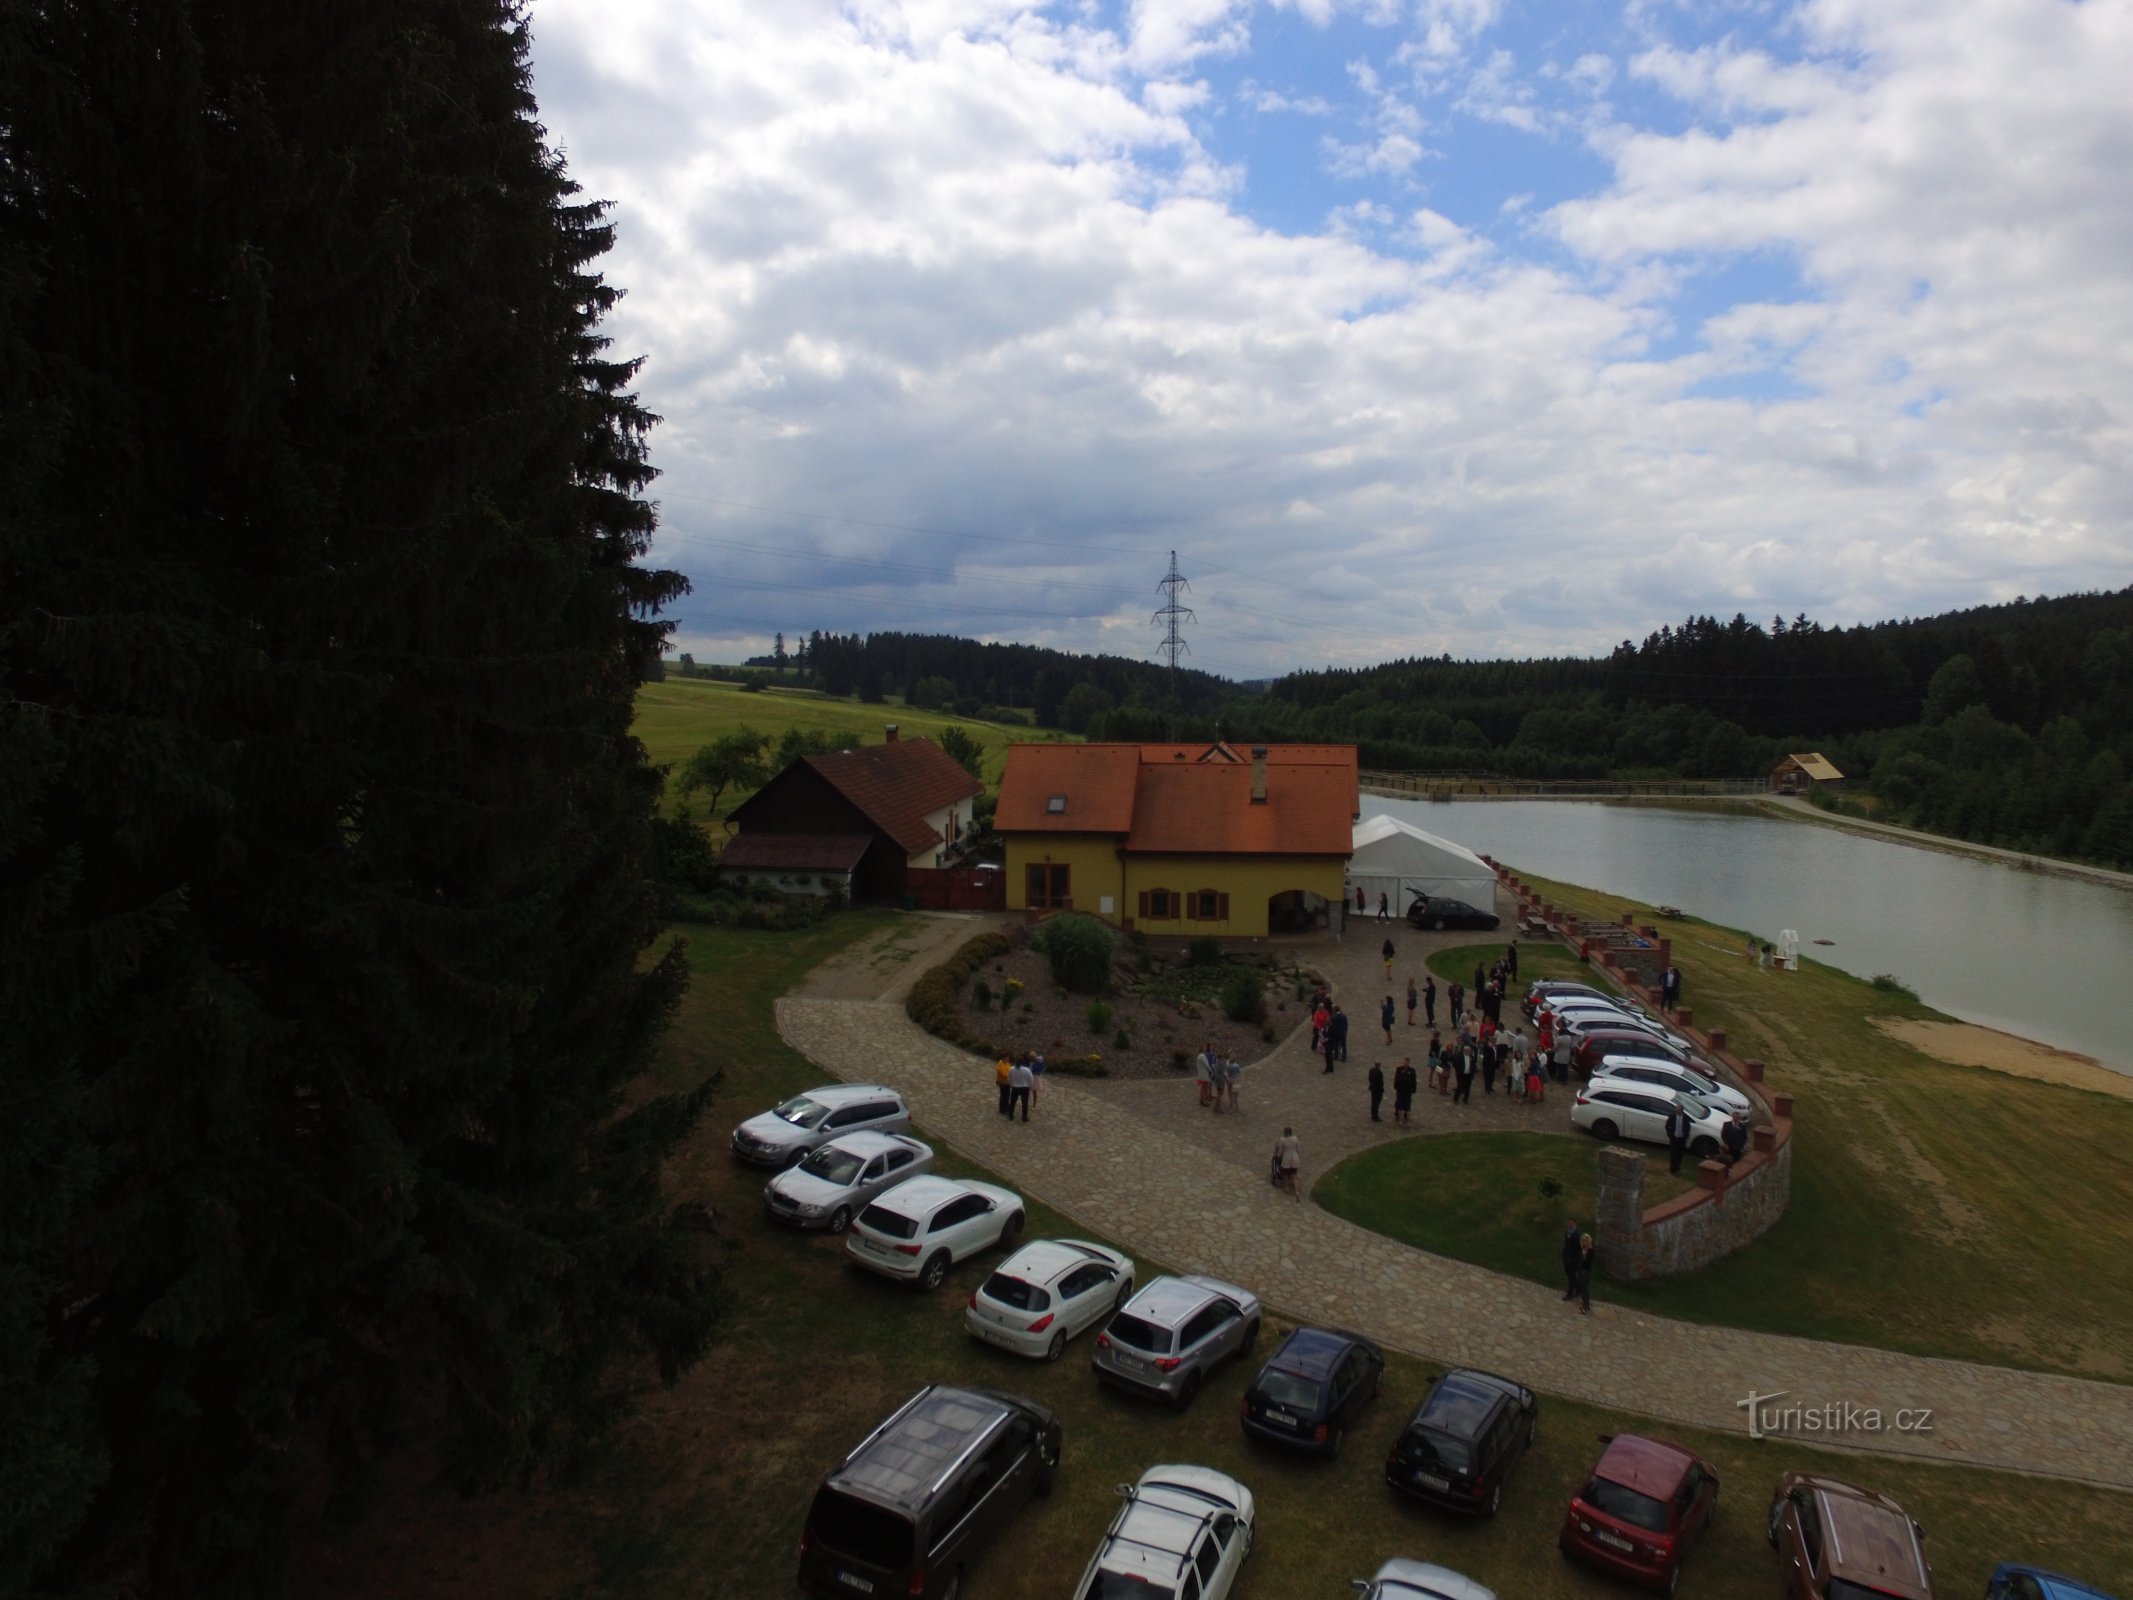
[1166, 799]
[896, 784]
[1091, 785]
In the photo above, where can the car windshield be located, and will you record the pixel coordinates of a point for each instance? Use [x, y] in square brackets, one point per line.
[859, 1529]
[1690, 1103]
[802, 1112]
[1844, 1589]
[833, 1165]
[893, 1223]
[1126, 1586]
[1298, 1393]
[1014, 1292]
[1423, 1445]
[1127, 1329]
[1624, 1504]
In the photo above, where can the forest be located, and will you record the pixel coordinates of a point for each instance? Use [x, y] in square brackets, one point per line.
[2007, 724]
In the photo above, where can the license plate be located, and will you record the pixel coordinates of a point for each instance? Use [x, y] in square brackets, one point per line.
[1281, 1417]
[1132, 1364]
[1430, 1482]
[876, 1246]
[863, 1585]
[1614, 1541]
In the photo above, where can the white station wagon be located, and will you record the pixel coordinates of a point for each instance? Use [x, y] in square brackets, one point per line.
[1046, 1293]
[919, 1229]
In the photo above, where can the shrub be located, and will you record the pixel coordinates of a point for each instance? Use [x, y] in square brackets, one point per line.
[1099, 1015]
[1008, 991]
[1205, 951]
[981, 995]
[1242, 999]
[1551, 1188]
[935, 1000]
[1121, 1040]
[1267, 1033]
[1088, 1066]
[1180, 1059]
[1080, 950]
[1888, 983]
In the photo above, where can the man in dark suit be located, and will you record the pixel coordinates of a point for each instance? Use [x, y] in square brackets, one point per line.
[1573, 1259]
[1677, 1136]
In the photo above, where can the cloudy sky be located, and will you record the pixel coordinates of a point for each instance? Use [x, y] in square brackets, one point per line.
[1496, 327]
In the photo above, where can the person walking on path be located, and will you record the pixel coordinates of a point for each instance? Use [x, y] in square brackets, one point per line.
[1677, 1136]
[1456, 994]
[1510, 961]
[1233, 1080]
[1337, 1038]
[1384, 908]
[1203, 1070]
[1001, 1070]
[1489, 1058]
[1377, 1090]
[1481, 984]
[1019, 1080]
[1464, 1062]
[1536, 1085]
[1440, 1068]
[1385, 1017]
[1403, 1093]
[1321, 1017]
[1288, 1161]
[1388, 960]
[1411, 999]
[1585, 1274]
[1670, 987]
[1573, 1254]
[1036, 1075]
[1429, 1001]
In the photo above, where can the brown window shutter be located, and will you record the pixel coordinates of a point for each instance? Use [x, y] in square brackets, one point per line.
[1144, 904]
[1222, 907]
[1192, 909]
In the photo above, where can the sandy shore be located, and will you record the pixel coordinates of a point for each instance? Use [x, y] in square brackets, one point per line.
[1968, 1045]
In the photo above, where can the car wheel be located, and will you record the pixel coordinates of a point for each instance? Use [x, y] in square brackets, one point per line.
[1251, 1334]
[1125, 1293]
[1011, 1230]
[1495, 1499]
[1047, 1464]
[1673, 1580]
[1704, 1149]
[935, 1269]
[1438, 924]
[955, 1585]
[1376, 1379]
[1334, 1441]
[1603, 1129]
[1533, 1429]
[1777, 1517]
[840, 1219]
[1186, 1390]
[1057, 1348]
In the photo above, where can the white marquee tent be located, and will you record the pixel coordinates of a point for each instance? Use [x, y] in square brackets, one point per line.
[1398, 860]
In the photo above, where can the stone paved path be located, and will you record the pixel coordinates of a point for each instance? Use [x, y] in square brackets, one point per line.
[1168, 1195]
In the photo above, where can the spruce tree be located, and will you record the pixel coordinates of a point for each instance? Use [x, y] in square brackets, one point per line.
[323, 903]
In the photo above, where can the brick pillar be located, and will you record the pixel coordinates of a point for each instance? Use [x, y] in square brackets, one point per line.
[1781, 1105]
[1752, 1071]
[1629, 919]
[1711, 1175]
[1765, 1140]
[1718, 1039]
[1618, 1228]
[1684, 1015]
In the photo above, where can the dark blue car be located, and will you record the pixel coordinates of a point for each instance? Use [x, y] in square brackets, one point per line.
[1463, 1440]
[2011, 1580]
[1312, 1388]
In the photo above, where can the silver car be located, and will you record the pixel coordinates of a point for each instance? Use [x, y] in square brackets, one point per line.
[828, 1188]
[1175, 1332]
[1419, 1580]
[1612, 1108]
[784, 1134]
[1666, 1075]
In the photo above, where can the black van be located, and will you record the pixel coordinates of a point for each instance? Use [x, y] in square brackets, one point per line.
[1463, 1439]
[906, 1511]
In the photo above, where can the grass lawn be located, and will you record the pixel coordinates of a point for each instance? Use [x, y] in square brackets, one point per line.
[707, 1487]
[1937, 1209]
[679, 716]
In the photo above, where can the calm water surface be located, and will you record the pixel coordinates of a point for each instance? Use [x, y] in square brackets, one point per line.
[2045, 957]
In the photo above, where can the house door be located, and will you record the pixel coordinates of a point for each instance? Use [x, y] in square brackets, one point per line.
[1049, 886]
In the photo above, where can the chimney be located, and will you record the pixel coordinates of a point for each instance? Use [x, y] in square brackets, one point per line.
[888, 733]
[1258, 774]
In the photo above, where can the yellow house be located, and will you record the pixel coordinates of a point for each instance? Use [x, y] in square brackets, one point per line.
[1180, 840]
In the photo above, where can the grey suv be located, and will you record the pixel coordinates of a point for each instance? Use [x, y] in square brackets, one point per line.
[1173, 1333]
[920, 1497]
[786, 1133]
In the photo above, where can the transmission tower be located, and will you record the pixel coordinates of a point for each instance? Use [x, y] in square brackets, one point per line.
[1167, 617]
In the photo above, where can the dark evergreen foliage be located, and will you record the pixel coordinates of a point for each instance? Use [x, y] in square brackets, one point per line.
[323, 838]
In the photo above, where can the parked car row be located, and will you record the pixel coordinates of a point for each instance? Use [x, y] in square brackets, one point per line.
[907, 1509]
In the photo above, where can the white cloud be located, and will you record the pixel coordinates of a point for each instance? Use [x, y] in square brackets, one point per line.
[962, 287]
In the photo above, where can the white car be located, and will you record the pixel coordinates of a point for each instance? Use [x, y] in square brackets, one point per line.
[1666, 1075]
[1182, 1535]
[784, 1134]
[919, 1229]
[1572, 1020]
[1611, 1109]
[1047, 1292]
[829, 1187]
[1419, 1580]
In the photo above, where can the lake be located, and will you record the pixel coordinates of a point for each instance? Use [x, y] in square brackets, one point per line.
[2028, 952]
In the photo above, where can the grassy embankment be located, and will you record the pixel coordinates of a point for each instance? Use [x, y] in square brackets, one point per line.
[1937, 1209]
[678, 717]
[708, 1487]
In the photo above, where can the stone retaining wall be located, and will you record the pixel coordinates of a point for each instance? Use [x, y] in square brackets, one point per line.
[1727, 1208]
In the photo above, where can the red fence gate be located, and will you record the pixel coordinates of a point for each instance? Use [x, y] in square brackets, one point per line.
[956, 889]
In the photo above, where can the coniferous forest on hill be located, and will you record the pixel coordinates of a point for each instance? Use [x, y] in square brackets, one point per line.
[2007, 724]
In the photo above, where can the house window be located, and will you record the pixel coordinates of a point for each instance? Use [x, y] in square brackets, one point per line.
[1160, 905]
[1210, 905]
[1047, 883]
[1055, 805]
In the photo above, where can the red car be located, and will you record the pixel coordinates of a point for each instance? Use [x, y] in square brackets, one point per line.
[1645, 1504]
